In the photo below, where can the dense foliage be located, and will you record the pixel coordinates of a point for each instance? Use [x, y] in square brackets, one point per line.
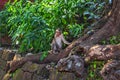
[32, 24]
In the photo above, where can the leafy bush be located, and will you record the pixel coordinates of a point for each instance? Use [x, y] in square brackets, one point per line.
[32, 24]
[3, 23]
[27, 27]
[94, 70]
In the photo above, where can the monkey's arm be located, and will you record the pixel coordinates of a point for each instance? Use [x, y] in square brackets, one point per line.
[63, 39]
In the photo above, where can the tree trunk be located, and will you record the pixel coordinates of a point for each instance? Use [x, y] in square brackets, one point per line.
[111, 70]
[103, 52]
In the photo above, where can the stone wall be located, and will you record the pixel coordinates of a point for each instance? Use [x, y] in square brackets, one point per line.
[30, 71]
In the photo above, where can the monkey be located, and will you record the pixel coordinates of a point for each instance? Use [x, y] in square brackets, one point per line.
[56, 44]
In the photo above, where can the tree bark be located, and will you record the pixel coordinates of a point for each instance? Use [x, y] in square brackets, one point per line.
[103, 52]
[111, 70]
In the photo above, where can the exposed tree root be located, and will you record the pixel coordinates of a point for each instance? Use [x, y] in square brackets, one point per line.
[111, 70]
[103, 52]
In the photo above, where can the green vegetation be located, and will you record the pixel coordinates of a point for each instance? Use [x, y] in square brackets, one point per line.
[94, 70]
[112, 40]
[32, 24]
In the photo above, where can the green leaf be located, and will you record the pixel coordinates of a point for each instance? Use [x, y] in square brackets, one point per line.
[82, 1]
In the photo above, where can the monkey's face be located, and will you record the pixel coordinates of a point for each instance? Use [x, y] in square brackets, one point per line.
[57, 34]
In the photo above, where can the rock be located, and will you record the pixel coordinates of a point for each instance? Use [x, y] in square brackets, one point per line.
[8, 55]
[18, 75]
[43, 72]
[2, 73]
[7, 76]
[30, 67]
[28, 54]
[17, 57]
[37, 77]
[40, 68]
[27, 76]
[111, 70]
[68, 76]
[33, 71]
[73, 64]
[2, 64]
[13, 62]
[55, 75]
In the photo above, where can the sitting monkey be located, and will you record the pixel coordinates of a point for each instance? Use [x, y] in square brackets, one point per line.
[56, 44]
